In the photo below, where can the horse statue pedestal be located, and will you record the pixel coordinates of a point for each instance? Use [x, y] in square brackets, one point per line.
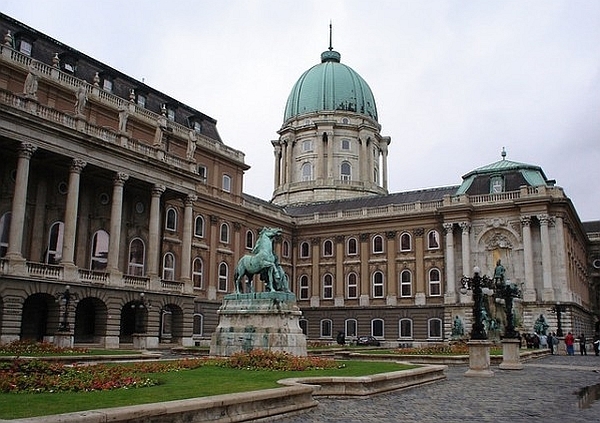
[258, 320]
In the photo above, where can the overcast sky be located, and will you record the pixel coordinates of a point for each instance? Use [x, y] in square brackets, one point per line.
[454, 81]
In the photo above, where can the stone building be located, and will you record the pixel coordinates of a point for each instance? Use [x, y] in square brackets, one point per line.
[122, 215]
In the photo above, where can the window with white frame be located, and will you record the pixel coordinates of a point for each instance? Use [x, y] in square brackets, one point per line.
[496, 184]
[303, 323]
[4, 231]
[346, 171]
[350, 328]
[107, 84]
[327, 286]
[434, 328]
[326, 328]
[435, 283]
[224, 233]
[137, 257]
[223, 276]
[304, 249]
[170, 113]
[352, 285]
[197, 267]
[378, 244]
[307, 145]
[378, 284]
[345, 144]
[285, 249]
[203, 173]
[406, 283]
[405, 242]
[141, 100]
[55, 242]
[226, 183]
[199, 227]
[249, 239]
[166, 322]
[303, 286]
[168, 273]
[327, 248]
[406, 328]
[377, 327]
[351, 247]
[25, 46]
[307, 172]
[433, 240]
[99, 256]
[198, 324]
[171, 219]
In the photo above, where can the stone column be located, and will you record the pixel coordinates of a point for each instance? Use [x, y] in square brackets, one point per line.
[384, 164]
[277, 153]
[289, 177]
[420, 291]
[392, 275]
[365, 276]
[450, 297]
[529, 292]
[331, 174]
[186, 247]
[154, 230]
[17, 221]
[212, 277]
[116, 213]
[71, 212]
[548, 292]
[561, 261]
[466, 254]
[315, 278]
[364, 158]
[340, 285]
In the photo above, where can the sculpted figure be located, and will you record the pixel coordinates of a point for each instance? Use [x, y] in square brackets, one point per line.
[31, 82]
[81, 99]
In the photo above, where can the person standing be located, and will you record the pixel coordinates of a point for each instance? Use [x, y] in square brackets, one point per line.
[550, 341]
[569, 341]
[596, 345]
[582, 347]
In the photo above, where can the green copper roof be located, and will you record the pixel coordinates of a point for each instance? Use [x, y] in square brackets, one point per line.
[330, 85]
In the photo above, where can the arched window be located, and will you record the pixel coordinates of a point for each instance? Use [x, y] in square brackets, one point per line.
[378, 244]
[55, 243]
[350, 326]
[303, 286]
[405, 283]
[327, 248]
[326, 328]
[378, 284]
[307, 172]
[137, 257]
[226, 183]
[435, 284]
[198, 324]
[197, 267]
[406, 328]
[285, 249]
[303, 323]
[223, 276]
[352, 286]
[224, 233]
[377, 327]
[405, 242]
[304, 250]
[434, 328]
[327, 286]
[99, 257]
[171, 219]
[168, 273]
[433, 240]
[346, 171]
[351, 247]
[249, 239]
[4, 231]
[199, 227]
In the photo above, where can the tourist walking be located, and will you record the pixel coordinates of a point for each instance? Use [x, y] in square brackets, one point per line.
[551, 340]
[582, 347]
[596, 345]
[569, 341]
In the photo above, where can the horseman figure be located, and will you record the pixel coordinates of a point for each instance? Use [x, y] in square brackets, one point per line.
[264, 262]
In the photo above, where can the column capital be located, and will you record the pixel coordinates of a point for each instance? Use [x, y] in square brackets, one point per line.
[391, 234]
[157, 190]
[26, 150]
[545, 219]
[189, 200]
[77, 165]
[418, 232]
[120, 178]
[526, 220]
[448, 227]
[465, 226]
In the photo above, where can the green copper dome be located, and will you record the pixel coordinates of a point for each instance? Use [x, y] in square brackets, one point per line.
[330, 85]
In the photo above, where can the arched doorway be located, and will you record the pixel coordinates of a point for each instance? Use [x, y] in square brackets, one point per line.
[171, 324]
[134, 319]
[40, 317]
[90, 321]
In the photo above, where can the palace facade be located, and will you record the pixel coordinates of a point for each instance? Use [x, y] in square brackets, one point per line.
[122, 215]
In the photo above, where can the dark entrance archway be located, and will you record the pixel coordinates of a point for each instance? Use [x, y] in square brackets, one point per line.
[171, 324]
[91, 317]
[134, 319]
[40, 317]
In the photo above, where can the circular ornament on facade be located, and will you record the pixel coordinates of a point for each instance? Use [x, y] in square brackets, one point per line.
[139, 207]
[104, 198]
[596, 264]
[63, 188]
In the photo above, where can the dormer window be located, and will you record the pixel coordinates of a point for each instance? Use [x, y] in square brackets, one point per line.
[141, 100]
[197, 127]
[107, 84]
[25, 46]
[171, 113]
[496, 184]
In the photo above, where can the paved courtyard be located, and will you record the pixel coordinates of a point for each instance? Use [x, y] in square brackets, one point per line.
[546, 390]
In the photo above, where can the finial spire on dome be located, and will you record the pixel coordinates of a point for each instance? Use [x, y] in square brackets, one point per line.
[330, 36]
[503, 154]
[330, 55]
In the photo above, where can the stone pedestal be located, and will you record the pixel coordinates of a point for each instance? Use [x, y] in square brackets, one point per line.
[479, 358]
[510, 355]
[259, 320]
[63, 339]
[140, 341]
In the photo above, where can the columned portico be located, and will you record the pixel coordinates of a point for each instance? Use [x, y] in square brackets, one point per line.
[548, 292]
[529, 294]
[450, 297]
[186, 251]
[466, 252]
[116, 213]
[154, 230]
[68, 251]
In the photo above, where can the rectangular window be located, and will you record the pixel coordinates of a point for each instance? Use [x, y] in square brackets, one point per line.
[25, 47]
[405, 328]
[203, 173]
[307, 146]
[141, 101]
[107, 85]
[226, 183]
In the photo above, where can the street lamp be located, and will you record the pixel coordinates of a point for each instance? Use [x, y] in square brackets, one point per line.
[64, 299]
[139, 306]
[476, 285]
[558, 309]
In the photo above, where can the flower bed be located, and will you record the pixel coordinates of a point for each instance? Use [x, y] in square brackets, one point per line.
[276, 360]
[31, 348]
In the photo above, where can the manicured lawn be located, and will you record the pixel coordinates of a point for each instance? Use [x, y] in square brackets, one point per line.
[203, 381]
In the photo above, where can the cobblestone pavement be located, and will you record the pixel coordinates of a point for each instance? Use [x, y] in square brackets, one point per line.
[547, 389]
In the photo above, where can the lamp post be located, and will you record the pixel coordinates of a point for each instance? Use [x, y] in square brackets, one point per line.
[476, 285]
[558, 309]
[64, 299]
[138, 306]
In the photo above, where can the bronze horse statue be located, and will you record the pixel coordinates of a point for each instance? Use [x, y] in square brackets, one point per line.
[264, 262]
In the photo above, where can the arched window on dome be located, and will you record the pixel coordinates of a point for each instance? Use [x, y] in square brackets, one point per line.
[307, 172]
[346, 172]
